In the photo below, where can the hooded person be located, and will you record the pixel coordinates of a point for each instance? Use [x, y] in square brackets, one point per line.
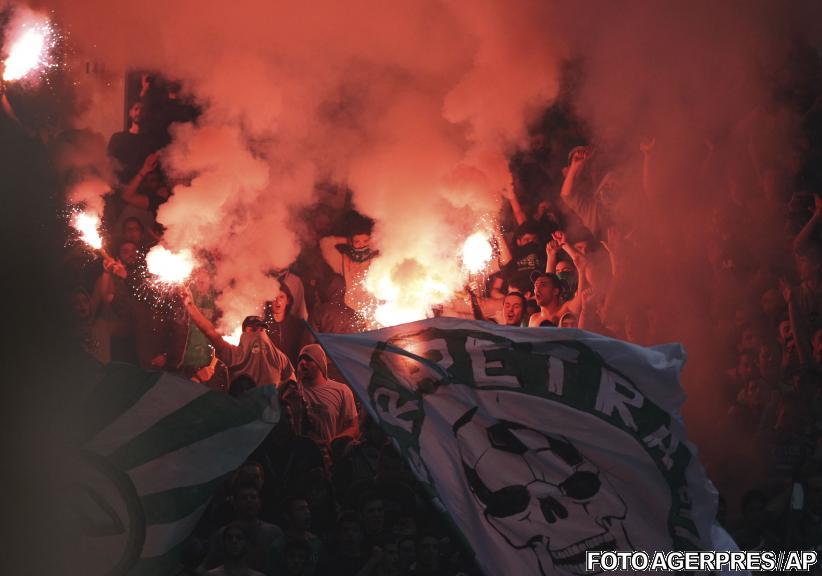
[286, 331]
[330, 410]
[255, 356]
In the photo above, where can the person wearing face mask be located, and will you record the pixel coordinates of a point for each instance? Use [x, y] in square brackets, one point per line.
[351, 257]
[256, 356]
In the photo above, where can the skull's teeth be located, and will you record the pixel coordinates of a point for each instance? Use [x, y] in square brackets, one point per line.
[579, 547]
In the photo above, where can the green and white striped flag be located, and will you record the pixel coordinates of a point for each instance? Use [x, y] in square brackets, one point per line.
[541, 443]
[151, 449]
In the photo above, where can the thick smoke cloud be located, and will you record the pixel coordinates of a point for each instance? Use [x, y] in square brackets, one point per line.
[401, 101]
[416, 105]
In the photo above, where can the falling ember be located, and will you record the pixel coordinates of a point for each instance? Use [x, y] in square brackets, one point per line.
[169, 267]
[87, 225]
[28, 48]
[476, 252]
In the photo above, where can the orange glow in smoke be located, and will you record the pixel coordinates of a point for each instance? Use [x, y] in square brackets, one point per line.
[170, 267]
[88, 226]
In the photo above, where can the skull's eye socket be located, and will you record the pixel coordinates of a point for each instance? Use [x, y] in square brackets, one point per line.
[581, 485]
[508, 501]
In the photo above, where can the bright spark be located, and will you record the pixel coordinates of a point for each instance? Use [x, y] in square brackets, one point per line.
[29, 49]
[169, 267]
[88, 226]
[476, 252]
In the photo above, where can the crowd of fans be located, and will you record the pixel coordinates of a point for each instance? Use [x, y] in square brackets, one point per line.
[327, 493]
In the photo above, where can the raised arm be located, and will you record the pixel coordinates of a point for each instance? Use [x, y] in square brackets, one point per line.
[130, 193]
[519, 214]
[328, 247]
[805, 239]
[578, 159]
[504, 253]
[646, 147]
[801, 335]
[552, 249]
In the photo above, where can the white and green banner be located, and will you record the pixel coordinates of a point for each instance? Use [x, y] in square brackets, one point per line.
[151, 449]
[540, 444]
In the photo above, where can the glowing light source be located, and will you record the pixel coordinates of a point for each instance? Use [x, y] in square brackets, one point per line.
[169, 267]
[234, 337]
[409, 301]
[28, 48]
[88, 225]
[476, 252]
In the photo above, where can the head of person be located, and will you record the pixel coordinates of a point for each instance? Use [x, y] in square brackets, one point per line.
[745, 366]
[428, 553]
[251, 473]
[527, 235]
[312, 364]
[390, 563]
[568, 320]
[133, 230]
[253, 324]
[749, 340]
[809, 265]
[359, 231]
[372, 512]
[513, 309]
[247, 502]
[128, 253]
[349, 533]
[583, 242]
[298, 513]
[282, 302]
[772, 303]
[235, 542]
[296, 556]
[135, 113]
[408, 551]
[81, 304]
[547, 289]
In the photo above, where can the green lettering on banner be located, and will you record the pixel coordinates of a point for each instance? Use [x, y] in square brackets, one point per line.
[411, 365]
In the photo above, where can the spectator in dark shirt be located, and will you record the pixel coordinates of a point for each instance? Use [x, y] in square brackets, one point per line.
[129, 149]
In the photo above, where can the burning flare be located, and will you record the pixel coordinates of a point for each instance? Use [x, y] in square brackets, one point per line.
[476, 252]
[28, 48]
[88, 226]
[234, 337]
[170, 267]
